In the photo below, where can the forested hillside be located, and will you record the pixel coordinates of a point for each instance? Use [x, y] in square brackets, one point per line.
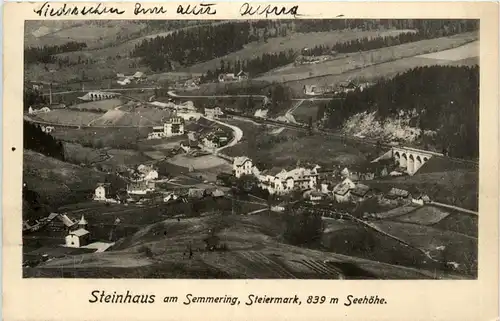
[429, 26]
[203, 43]
[37, 140]
[440, 101]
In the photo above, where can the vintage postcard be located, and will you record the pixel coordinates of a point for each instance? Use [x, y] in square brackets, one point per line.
[244, 160]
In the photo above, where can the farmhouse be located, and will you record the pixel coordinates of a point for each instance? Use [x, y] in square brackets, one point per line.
[396, 193]
[102, 191]
[360, 192]
[341, 191]
[242, 166]
[312, 90]
[242, 75]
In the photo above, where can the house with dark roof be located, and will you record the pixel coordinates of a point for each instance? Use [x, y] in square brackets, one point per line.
[341, 192]
[397, 194]
[360, 192]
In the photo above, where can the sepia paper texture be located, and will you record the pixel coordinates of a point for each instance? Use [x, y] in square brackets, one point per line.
[38, 299]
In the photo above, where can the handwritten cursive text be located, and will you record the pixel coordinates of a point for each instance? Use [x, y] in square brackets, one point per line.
[46, 10]
[204, 8]
[139, 9]
[247, 10]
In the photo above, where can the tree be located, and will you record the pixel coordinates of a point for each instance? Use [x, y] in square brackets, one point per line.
[303, 228]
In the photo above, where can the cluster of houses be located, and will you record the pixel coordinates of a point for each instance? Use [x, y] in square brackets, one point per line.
[341, 88]
[230, 77]
[214, 113]
[216, 139]
[138, 77]
[318, 184]
[34, 111]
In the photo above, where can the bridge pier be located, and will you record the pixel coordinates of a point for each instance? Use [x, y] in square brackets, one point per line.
[411, 159]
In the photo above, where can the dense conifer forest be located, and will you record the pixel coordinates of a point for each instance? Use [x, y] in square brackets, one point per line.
[46, 54]
[436, 27]
[38, 141]
[445, 98]
[203, 43]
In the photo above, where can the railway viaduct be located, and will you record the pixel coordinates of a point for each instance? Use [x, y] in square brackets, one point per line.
[408, 158]
[98, 95]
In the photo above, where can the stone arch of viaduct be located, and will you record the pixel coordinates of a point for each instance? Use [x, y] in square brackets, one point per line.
[411, 159]
[100, 95]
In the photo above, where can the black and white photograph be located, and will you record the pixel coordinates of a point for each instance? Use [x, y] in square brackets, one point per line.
[251, 149]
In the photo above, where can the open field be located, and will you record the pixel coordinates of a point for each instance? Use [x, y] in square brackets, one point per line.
[307, 109]
[427, 215]
[198, 163]
[103, 137]
[295, 42]
[78, 154]
[442, 245]
[461, 223]
[470, 50]
[93, 33]
[101, 105]
[289, 146]
[121, 118]
[68, 117]
[364, 59]
[252, 253]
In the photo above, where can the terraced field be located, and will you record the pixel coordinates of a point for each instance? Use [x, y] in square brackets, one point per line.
[69, 117]
[102, 105]
[369, 65]
[295, 42]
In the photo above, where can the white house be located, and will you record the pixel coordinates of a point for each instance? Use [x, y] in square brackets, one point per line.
[242, 166]
[242, 75]
[227, 77]
[100, 193]
[47, 129]
[124, 81]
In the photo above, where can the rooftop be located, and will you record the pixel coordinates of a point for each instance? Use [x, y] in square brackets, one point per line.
[360, 190]
[239, 161]
[79, 232]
